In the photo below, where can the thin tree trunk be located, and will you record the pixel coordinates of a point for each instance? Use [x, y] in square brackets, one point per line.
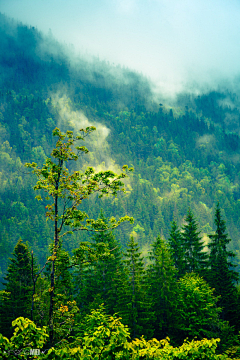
[133, 303]
[53, 273]
[55, 249]
[34, 290]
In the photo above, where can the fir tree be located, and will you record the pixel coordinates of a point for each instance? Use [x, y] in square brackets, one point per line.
[162, 280]
[18, 286]
[177, 250]
[98, 281]
[221, 274]
[197, 311]
[194, 256]
[81, 287]
[133, 303]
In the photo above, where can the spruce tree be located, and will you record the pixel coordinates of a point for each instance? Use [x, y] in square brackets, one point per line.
[162, 280]
[221, 274]
[197, 311]
[194, 255]
[177, 250]
[97, 282]
[133, 303]
[18, 284]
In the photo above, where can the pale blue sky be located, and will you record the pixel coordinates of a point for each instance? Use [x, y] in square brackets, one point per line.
[171, 41]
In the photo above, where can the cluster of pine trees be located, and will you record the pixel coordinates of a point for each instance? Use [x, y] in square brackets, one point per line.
[181, 288]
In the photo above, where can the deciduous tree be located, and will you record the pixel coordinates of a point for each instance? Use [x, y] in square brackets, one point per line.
[68, 191]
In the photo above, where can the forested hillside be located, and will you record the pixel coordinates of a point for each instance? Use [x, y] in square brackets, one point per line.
[186, 155]
[184, 188]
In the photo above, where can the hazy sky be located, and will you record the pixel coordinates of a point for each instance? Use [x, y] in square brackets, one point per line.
[172, 41]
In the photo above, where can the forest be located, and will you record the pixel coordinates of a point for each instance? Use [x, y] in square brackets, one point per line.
[119, 210]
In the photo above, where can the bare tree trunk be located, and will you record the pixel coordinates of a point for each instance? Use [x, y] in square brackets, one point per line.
[55, 250]
[34, 290]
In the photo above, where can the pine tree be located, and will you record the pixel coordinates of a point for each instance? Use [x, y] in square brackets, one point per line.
[177, 250]
[162, 280]
[194, 256]
[197, 311]
[133, 303]
[18, 284]
[81, 285]
[221, 275]
[97, 282]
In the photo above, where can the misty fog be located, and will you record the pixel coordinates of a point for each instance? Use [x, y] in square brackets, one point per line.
[178, 44]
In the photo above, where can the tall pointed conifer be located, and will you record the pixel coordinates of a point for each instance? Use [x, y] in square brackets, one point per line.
[18, 284]
[133, 303]
[98, 281]
[177, 249]
[162, 280]
[194, 255]
[221, 275]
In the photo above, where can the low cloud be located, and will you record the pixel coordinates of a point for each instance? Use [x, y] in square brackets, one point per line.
[207, 140]
[78, 120]
[99, 156]
[176, 43]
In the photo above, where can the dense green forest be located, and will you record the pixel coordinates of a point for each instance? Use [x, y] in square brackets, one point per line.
[157, 273]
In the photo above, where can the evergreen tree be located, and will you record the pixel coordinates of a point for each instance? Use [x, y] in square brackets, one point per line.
[97, 282]
[194, 256]
[221, 274]
[177, 250]
[133, 303]
[197, 312]
[162, 280]
[81, 287]
[18, 288]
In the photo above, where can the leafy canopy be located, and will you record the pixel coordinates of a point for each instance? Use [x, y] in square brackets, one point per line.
[73, 188]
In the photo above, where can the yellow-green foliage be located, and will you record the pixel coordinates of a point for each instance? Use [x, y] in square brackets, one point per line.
[27, 336]
[102, 337]
[193, 350]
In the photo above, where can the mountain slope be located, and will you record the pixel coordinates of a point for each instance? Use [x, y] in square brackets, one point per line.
[183, 156]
